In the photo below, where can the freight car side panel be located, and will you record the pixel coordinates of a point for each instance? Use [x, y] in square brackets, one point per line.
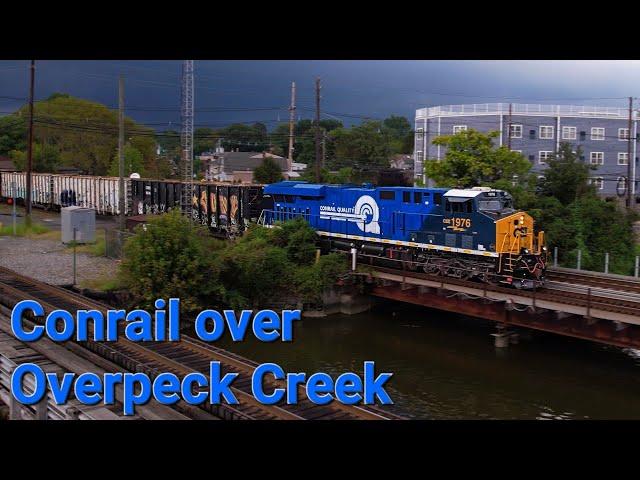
[98, 193]
[40, 187]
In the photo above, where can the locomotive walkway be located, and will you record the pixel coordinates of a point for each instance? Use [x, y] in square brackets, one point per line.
[602, 308]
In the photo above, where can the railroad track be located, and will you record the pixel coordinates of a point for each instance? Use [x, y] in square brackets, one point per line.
[571, 294]
[595, 279]
[183, 357]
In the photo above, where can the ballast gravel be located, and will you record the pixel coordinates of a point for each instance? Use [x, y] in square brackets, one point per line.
[49, 261]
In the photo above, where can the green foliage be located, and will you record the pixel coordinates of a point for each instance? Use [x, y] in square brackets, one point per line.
[133, 162]
[566, 177]
[473, 160]
[203, 140]
[45, 158]
[312, 280]
[23, 230]
[170, 258]
[270, 264]
[13, 134]
[246, 138]
[175, 258]
[73, 132]
[267, 172]
[364, 144]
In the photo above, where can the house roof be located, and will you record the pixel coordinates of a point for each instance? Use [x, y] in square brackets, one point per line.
[248, 161]
[6, 164]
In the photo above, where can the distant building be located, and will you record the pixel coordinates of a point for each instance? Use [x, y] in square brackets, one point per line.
[6, 164]
[237, 167]
[536, 131]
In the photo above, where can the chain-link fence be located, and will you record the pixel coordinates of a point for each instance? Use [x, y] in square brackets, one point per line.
[114, 242]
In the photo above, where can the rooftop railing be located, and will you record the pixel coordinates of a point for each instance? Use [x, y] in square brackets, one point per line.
[524, 109]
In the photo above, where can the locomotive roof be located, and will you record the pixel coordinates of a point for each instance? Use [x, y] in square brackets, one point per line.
[289, 187]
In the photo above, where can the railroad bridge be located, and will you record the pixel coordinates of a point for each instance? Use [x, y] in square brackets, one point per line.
[593, 306]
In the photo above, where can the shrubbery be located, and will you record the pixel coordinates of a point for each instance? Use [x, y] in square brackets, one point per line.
[172, 257]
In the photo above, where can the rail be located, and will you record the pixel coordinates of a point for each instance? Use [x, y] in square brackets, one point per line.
[186, 356]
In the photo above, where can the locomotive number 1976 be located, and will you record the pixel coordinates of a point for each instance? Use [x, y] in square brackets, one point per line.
[459, 222]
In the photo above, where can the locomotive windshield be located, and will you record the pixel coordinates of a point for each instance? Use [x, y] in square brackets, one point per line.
[495, 205]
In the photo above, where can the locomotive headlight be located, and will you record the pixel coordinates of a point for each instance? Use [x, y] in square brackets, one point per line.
[521, 218]
[544, 249]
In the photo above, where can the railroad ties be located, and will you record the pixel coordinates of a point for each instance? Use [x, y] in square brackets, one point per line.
[183, 357]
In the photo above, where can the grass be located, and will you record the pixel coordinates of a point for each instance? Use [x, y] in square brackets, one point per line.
[23, 230]
[103, 284]
[96, 248]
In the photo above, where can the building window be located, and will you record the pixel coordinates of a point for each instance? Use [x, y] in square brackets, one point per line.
[459, 128]
[621, 186]
[623, 158]
[515, 131]
[544, 156]
[419, 133]
[597, 158]
[568, 133]
[418, 155]
[546, 132]
[623, 134]
[597, 133]
[598, 182]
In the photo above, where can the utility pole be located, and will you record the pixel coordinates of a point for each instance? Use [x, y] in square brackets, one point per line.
[121, 199]
[187, 136]
[30, 145]
[292, 119]
[629, 159]
[509, 130]
[324, 148]
[318, 153]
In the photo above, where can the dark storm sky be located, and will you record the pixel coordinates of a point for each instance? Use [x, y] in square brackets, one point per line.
[361, 88]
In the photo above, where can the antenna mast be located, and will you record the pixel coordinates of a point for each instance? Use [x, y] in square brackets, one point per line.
[187, 136]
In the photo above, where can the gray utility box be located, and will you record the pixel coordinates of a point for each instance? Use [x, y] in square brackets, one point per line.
[83, 220]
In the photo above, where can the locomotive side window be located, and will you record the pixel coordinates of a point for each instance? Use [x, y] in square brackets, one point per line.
[437, 199]
[387, 195]
[417, 197]
[406, 197]
[459, 207]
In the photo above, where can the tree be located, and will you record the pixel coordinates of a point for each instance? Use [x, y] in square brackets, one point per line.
[171, 257]
[473, 160]
[84, 134]
[204, 140]
[566, 177]
[13, 134]
[363, 145]
[269, 265]
[133, 162]
[267, 172]
[45, 158]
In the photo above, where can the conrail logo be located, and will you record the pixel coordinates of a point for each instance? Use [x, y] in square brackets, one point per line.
[365, 214]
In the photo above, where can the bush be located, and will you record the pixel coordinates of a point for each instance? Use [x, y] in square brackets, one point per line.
[170, 258]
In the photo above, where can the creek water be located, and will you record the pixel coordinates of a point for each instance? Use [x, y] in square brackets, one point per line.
[446, 366]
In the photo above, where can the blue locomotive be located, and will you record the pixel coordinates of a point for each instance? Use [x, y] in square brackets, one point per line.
[463, 233]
